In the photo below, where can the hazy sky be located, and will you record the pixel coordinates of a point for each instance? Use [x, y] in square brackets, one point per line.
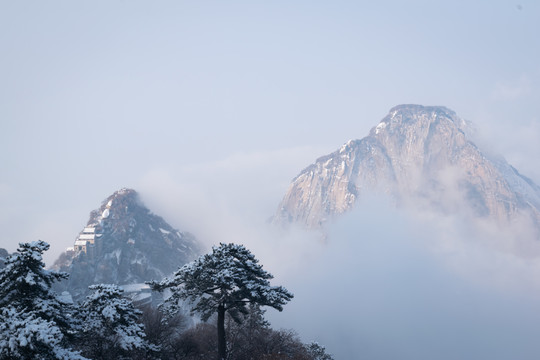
[210, 108]
[95, 96]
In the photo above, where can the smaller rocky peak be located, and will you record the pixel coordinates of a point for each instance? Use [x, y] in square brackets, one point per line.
[119, 203]
[125, 195]
[119, 209]
[125, 243]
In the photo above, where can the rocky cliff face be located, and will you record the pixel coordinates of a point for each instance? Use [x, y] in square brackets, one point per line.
[416, 154]
[124, 243]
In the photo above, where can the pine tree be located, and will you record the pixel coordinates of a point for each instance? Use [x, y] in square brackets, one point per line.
[224, 281]
[110, 327]
[33, 322]
[317, 351]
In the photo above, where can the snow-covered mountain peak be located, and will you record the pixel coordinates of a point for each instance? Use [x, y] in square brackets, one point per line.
[123, 242]
[411, 115]
[416, 154]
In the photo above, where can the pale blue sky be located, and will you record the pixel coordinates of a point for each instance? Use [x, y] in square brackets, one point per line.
[103, 94]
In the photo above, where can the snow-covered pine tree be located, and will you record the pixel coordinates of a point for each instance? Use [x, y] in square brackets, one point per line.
[33, 322]
[110, 326]
[224, 281]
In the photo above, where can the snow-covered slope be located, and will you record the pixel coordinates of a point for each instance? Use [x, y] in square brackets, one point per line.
[424, 155]
[124, 243]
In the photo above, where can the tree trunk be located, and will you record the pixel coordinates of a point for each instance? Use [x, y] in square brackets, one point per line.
[222, 345]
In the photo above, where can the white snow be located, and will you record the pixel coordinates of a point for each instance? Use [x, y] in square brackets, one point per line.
[65, 298]
[327, 163]
[107, 309]
[29, 309]
[128, 288]
[109, 313]
[345, 146]
[105, 214]
[29, 279]
[86, 237]
[163, 231]
[380, 127]
[141, 296]
[117, 253]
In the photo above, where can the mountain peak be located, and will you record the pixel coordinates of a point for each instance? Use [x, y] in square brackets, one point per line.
[123, 242]
[411, 115]
[125, 196]
[417, 154]
[415, 108]
[122, 203]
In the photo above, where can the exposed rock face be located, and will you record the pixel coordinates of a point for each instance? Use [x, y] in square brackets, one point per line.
[417, 154]
[124, 243]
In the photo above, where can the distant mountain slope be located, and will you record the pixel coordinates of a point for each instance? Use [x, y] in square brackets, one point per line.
[419, 154]
[124, 243]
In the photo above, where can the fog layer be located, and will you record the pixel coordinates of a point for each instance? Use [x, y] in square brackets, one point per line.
[385, 287]
[382, 283]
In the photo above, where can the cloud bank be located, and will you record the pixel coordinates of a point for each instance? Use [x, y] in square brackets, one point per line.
[384, 283]
[386, 286]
